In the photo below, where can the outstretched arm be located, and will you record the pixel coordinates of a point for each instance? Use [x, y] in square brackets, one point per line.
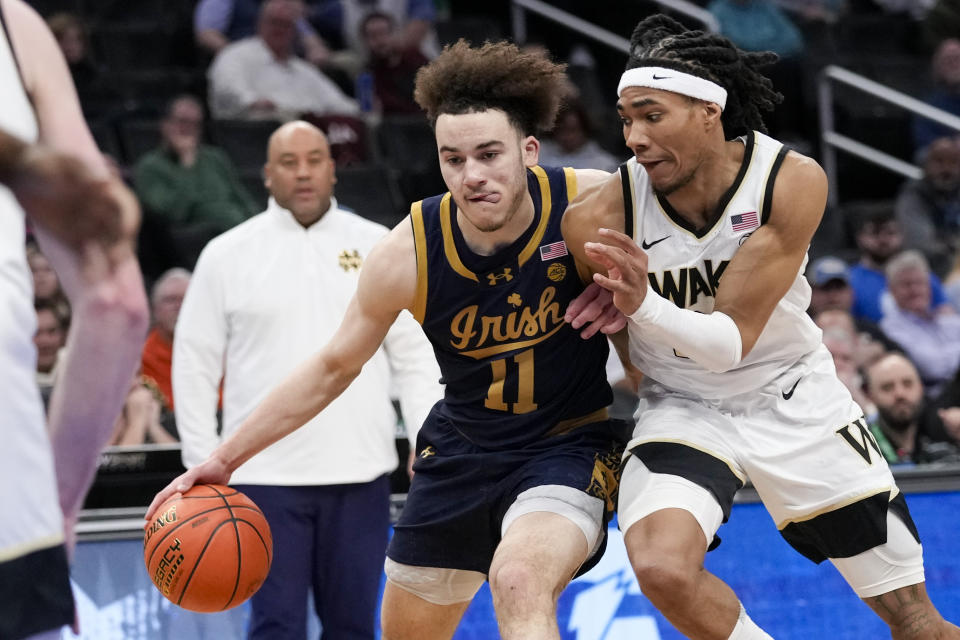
[86, 222]
[387, 285]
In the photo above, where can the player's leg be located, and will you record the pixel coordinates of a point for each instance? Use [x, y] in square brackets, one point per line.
[539, 554]
[278, 608]
[351, 526]
[911, 616]
[668, 522]
[425, 603]
[889, 578]
[824, 481]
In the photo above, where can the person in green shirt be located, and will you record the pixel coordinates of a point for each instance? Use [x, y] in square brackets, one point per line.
[894, 386]
[190, 192]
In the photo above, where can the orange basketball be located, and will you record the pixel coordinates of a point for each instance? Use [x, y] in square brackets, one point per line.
[208, 550]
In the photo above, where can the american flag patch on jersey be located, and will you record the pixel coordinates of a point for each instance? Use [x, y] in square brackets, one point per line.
[744, 221]
[553, 250]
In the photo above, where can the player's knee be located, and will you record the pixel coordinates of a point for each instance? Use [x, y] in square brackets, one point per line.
[664, 579]
[519, 581]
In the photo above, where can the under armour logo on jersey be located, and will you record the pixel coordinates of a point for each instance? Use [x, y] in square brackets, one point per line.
[494, 278]
[428, 451]
[350, 260]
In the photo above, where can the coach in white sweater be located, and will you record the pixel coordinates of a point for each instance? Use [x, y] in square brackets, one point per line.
[264, 296]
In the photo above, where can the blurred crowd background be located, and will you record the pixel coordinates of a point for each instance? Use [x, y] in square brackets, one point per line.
[183, 94]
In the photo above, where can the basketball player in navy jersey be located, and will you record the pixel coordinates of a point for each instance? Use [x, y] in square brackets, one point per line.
[739, 384]
[517, 465]
[85, 221]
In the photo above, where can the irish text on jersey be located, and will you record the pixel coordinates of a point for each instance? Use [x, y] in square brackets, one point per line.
[521, 327]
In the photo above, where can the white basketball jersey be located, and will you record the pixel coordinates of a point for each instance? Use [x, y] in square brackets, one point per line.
[30, 517]
[686, 266]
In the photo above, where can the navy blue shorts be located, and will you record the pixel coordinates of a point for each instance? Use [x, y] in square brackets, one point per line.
[461, 492]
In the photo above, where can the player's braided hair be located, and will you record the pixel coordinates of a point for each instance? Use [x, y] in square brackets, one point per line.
[497, 75]
[663, 42]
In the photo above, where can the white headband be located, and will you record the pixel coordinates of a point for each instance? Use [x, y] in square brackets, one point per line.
[672, 80]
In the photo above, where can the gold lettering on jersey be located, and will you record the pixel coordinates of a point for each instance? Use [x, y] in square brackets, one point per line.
[478, 337]
[688, 287]
[350, 260]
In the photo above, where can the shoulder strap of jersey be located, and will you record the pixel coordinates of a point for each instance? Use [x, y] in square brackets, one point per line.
[419, 309]
[771, 180]
[625, 184]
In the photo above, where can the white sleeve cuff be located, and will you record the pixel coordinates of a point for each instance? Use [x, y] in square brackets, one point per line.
[710, 339]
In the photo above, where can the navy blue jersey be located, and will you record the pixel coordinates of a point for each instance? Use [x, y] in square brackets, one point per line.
[514, 370]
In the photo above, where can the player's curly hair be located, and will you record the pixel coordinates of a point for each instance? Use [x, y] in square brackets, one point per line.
[497, 75]
[663, 42]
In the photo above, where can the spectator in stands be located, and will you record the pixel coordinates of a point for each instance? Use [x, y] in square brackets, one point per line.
[140, 422]
[879, 238]
[830, 290]
[932, 340]
[189, 190]
[571, 142]
[867, 346]
[50, 338]
[165, 301]
[344, 18]
[46, 284]
[893, 385]
[945, 71]
[217, 23]
[261, 76]
[393, 68]
[928, 209]
[94, 88]
[843, 344]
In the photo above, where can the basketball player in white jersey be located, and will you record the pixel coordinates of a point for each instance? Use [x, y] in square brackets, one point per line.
[738, 383]
[85, 221]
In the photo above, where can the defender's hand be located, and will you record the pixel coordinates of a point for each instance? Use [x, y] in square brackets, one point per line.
[595, 309]
[626, 266]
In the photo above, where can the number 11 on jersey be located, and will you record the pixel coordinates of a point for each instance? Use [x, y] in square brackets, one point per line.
[524, 371]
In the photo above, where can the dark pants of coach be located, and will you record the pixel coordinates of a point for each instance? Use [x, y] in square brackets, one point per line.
[331, 538]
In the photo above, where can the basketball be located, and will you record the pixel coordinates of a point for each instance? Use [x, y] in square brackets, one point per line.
[209, 549]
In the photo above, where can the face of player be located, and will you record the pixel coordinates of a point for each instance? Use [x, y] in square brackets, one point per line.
[483, 159]
[300, 171]
[665, 133]
[48, 340]
[911, 290]
[895, 388]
